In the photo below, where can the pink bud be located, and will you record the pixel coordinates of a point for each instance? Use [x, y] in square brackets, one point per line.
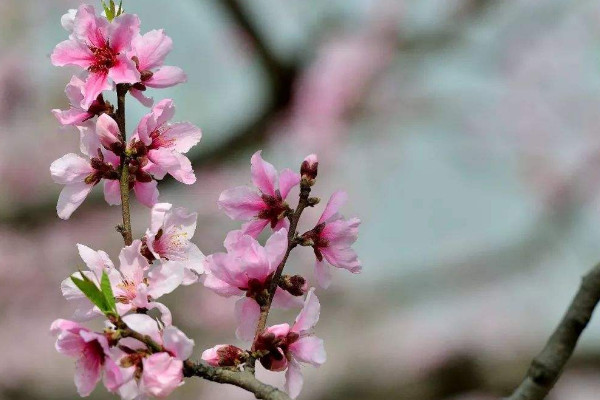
[223, 355]
[309, 168]
[108, 132]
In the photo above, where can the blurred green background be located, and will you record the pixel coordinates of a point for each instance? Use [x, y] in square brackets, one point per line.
[466, 133]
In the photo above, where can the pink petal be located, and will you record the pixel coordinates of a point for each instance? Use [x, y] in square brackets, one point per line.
[165, 314]
[287, 180]
[69, 169]
[95, 84]
[73, 116]
[184, 135]
[145, 325]
[113, 378]
[87, 373]
[309, 316]
[323, 274]
[146, 193]
[264, 174]
[71, 52]
[163, 111]
[247, 313]
[211, 356]
[285, 300]
[342, 257]
[220, 287]
[139, 95]
[107, 130]
[177, 343]
[124, 71]
[112, 192]
[122, 30]
[152, 49]
[132, 263]
[88, 140]
[89, 28]
[166, 77]
[162, 374]
[310, 350]
[68, 20]
[254, 227]
[158, 215]
[280, 330]
[176, 164]
[71, 197]
[96, 261]
[293, 379]
[333, 205]
[164, 278]
[276, 247]
[241, 203]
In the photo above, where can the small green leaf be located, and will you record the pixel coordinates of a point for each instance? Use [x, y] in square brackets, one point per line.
[121, 11]
[91, 291]
[107, 292]
[109, 10]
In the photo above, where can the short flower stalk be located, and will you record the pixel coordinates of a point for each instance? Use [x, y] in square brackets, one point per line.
[141, 354]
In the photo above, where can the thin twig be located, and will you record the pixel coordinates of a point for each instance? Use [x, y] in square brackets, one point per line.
[125, 229]
[547, 367]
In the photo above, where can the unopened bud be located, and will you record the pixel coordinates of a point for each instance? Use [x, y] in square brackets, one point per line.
[296, 285]
[224, 355]
[309, 169]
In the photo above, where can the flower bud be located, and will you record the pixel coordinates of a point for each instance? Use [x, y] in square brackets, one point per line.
[224, 355]
[309, 169]
[108, 132]
[296, 285]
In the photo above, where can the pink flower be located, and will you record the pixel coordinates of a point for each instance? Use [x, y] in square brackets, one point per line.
[141, 284]
[169, 237]
[332, 239]
[92, 352]
[76, 115]
[246, 270]
[80, 175]
[288, 347]
[166, 143]
[101, 48]
[266, 207]
[149, 52]
[157, 374]
[223, 355]
[109, 134]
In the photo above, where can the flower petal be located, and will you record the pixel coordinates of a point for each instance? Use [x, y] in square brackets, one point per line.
[263, 173]
[310, 350]
[151, 49]
[70, 168]
[241, 203]
[287, 180]
[177, 343]
[71, 197]
[293, 379]
[309, 316]
[71, 52]
[146, 193]
[247, 313]
[124, 71]
[112, 192]
[323, 274]
[165, 77]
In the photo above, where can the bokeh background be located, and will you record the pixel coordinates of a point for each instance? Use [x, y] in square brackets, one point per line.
[466, 133]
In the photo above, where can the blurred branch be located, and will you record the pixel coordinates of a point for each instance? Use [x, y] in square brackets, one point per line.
[547, 367]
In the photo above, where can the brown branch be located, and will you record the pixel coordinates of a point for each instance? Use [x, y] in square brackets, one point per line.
[241, 379]
[125, 229]
[547, 367]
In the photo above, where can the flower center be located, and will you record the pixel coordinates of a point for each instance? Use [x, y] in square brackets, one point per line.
[276, 208]
[171, 245]
[104, 59]
[158, 140]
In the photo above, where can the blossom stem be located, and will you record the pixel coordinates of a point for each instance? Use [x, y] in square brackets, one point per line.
[125, 229]
[292, 242]
[547, 367]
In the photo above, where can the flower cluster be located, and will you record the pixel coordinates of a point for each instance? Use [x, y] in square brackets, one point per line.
[254, 273]
[115, 53]
[140, 354]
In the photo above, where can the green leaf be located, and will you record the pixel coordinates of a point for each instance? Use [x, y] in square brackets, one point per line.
[120, 11]
[109, 10]
[107, 292]
[91, 291]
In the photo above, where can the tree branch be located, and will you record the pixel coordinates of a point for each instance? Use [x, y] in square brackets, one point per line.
[125, 229]
[547, 367]
[241, 379]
